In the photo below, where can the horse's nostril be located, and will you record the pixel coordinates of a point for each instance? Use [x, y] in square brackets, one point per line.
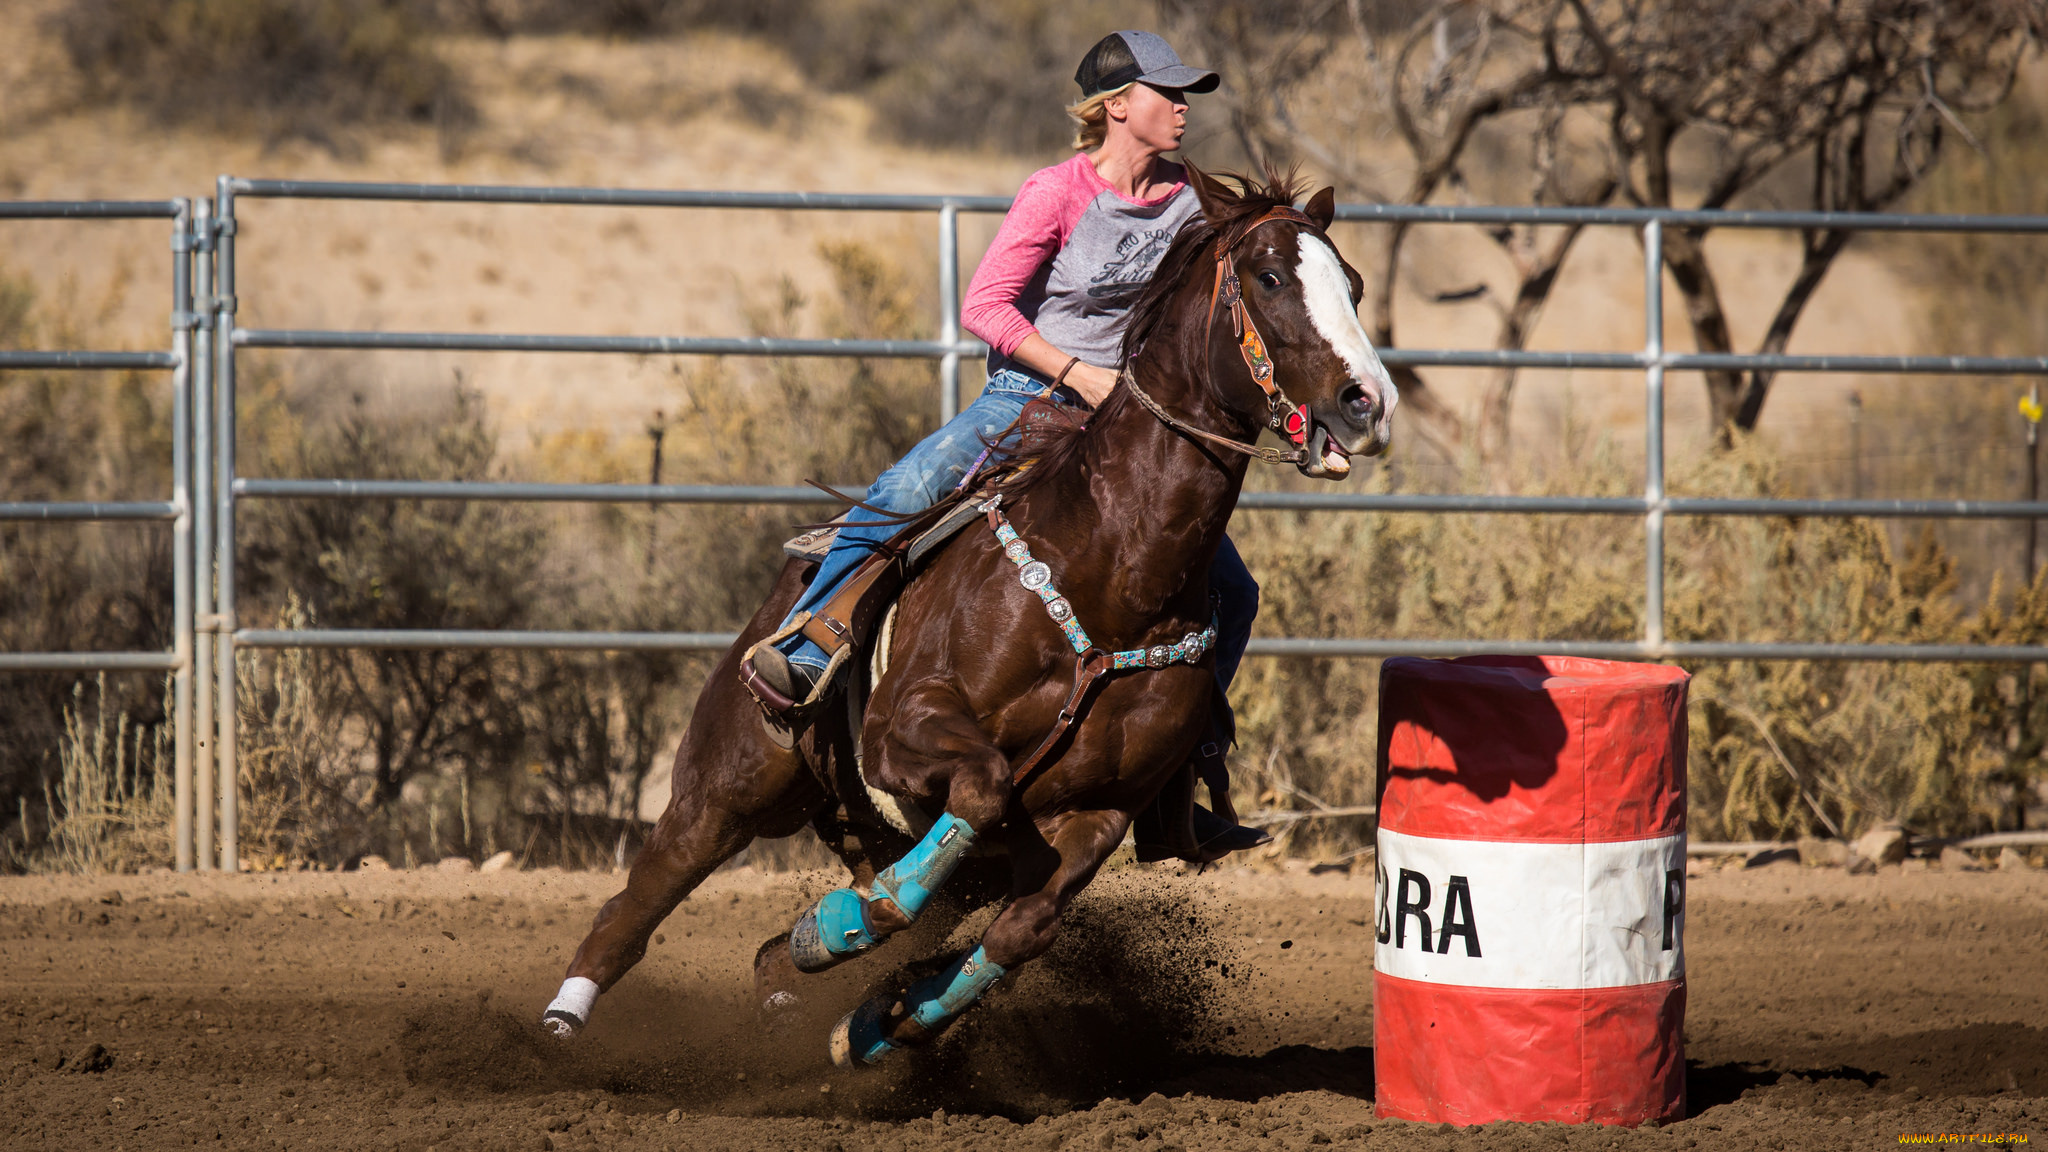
[1360, 406]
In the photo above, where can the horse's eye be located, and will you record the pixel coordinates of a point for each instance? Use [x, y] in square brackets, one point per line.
[1270, 279]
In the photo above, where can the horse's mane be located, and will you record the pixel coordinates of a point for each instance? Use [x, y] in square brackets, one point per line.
[1051, 448]
[1251, 200]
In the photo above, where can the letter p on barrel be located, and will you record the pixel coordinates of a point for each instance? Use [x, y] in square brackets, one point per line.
[1530, 958]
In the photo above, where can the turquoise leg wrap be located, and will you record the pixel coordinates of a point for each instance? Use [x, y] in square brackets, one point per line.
[937, 1000]
[911, 881]
[843, 923]
[837, 927]
[933, 1003]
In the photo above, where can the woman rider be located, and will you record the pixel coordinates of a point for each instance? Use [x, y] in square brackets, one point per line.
[1079, 243]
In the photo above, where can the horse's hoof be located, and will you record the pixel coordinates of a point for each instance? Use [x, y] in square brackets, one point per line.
[857, 1039]
[560, 1025]
[834, 929]
[806, 951]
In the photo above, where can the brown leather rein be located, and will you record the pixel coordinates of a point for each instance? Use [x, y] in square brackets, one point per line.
[1282, 415]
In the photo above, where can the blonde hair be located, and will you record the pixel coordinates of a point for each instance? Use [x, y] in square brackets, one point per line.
[1093, 118]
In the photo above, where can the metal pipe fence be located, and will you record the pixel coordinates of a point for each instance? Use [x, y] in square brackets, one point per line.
[177, 510]
[204, 505]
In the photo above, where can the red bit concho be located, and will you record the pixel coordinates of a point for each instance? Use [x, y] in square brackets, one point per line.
[1297, 426]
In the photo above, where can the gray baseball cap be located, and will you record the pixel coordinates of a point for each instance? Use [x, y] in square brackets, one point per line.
[1122, 58]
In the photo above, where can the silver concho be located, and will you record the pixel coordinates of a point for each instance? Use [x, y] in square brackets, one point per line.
[1035, 575]
[1059, 610]
[1194, 644]
[1158, 656]
[1018, 551]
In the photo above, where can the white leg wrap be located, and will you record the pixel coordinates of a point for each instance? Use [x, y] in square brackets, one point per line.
[576, 998]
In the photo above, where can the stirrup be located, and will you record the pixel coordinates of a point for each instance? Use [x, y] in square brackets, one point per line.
[772, 701]
[784, 719]
[781, 693]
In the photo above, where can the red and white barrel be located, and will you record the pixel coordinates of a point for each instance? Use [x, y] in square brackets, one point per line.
[1530, 962]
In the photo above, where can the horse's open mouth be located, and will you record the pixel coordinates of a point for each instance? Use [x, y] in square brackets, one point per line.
[1327, 457]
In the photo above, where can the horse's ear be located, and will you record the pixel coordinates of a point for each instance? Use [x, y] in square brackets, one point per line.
[1322, 207]
[1215, 199]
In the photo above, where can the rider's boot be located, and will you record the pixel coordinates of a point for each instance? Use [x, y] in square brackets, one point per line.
[844, 923]
[1177, 827]
[788, 690]
[780, 685]
[888, 1023]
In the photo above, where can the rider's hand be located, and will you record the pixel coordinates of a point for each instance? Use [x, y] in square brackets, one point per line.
[1094, 384]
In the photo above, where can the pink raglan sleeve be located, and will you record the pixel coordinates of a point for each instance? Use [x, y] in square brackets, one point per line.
[1035, 229]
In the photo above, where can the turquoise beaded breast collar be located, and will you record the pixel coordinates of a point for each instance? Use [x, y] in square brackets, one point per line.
[1091, 663]
[1036, 576]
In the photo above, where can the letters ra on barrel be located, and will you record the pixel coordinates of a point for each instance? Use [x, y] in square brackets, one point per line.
[1530, 962]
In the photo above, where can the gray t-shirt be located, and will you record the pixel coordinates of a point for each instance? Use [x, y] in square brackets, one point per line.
[1069, 260]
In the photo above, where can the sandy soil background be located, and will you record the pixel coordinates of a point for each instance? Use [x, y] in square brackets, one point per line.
[394, 1010]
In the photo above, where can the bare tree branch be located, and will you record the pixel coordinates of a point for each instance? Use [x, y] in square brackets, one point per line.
[1696, 105]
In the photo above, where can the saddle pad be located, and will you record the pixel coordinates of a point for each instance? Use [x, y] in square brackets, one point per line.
[903, 815]
[964, 513]
[814, 544]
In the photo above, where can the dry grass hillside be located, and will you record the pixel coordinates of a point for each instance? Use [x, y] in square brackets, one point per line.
[709, 111]
[716, 111]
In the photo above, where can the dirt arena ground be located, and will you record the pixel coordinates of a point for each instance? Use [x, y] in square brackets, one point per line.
[394, 1010]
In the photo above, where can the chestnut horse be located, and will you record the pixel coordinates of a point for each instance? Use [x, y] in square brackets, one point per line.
[986, 719]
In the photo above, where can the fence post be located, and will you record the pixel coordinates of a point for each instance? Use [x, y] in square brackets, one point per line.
[196, 805]
[207, 722]
[183, 321]
[1653, 433]
[224, 522]
[949, 312]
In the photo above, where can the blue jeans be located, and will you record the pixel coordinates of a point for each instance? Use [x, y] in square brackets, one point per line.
[934, 468]
[1238, 606]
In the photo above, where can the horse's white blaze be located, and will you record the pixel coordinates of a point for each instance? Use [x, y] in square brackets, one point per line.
[1328, 294]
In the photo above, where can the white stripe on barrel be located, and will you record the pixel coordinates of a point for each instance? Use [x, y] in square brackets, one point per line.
[1505, 915]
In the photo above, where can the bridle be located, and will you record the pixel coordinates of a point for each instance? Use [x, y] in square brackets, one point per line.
[1283, 415]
